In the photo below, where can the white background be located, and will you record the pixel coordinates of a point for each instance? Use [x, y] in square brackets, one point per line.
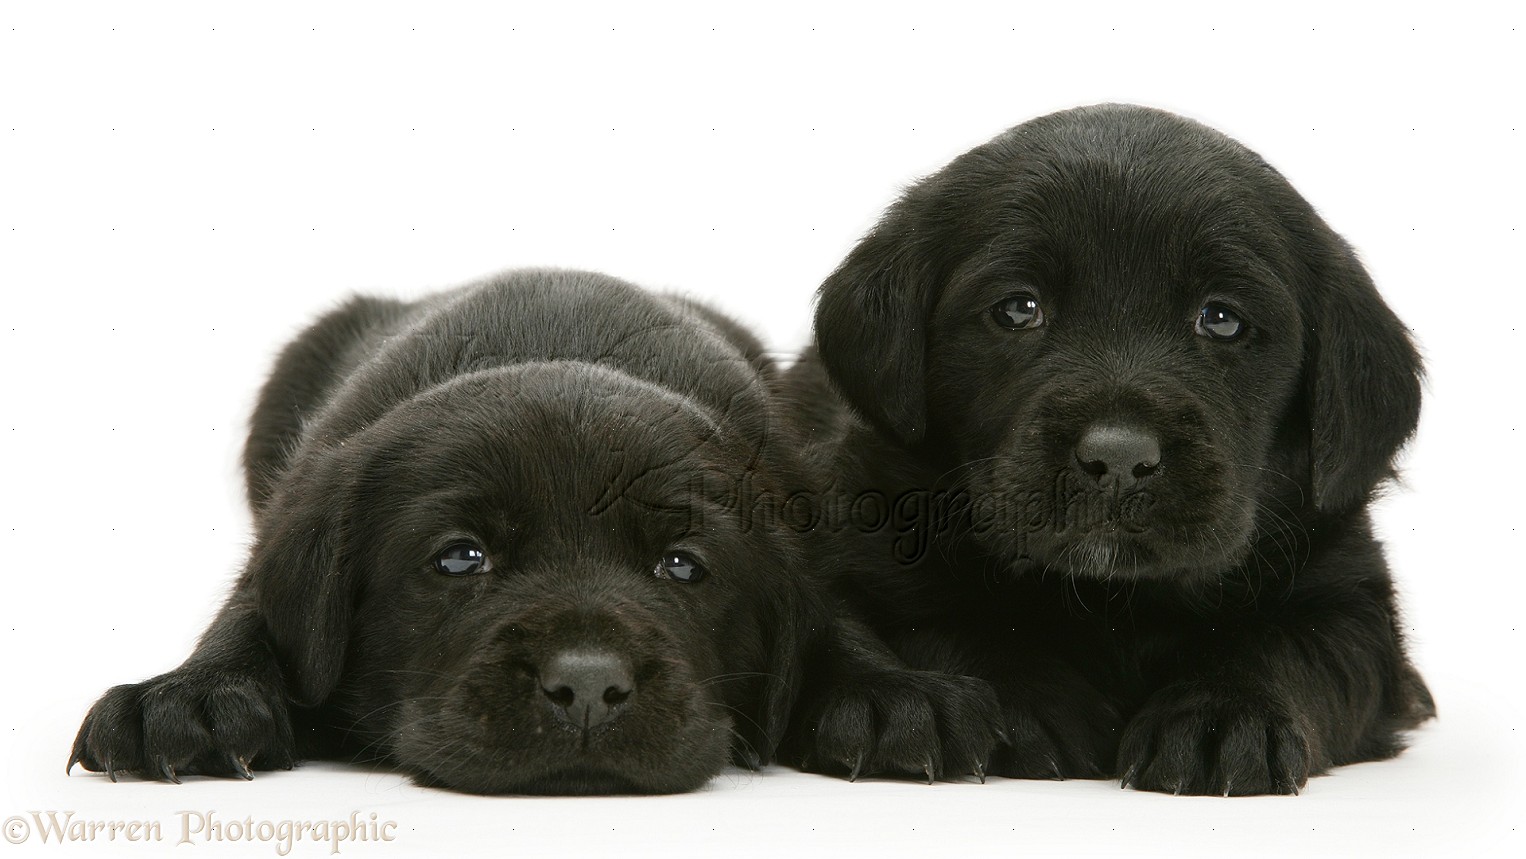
[182, 188]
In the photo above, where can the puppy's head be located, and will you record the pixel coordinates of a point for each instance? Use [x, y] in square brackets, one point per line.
[1137, 345]
[532, 580]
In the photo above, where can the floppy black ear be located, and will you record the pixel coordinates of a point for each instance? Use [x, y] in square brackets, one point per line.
[304, 590]
[794, 628]
[1363, 378]
[871, 318]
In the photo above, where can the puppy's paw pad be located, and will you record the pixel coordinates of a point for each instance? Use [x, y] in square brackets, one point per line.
[1194, 741]
[189, 721]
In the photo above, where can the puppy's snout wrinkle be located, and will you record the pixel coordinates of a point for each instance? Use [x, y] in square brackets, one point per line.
[1118, 455]
[588, 687]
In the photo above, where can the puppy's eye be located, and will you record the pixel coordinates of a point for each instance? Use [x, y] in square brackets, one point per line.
[1017, 312]
[462, 559]
[1219, 323]
[680, 567]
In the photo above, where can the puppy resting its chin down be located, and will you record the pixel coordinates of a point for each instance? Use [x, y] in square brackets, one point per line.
[1129, 398]
[496, 546]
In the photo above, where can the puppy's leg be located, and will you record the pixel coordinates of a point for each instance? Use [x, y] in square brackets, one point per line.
[1267, 703]
[223, 712]
[864, 712]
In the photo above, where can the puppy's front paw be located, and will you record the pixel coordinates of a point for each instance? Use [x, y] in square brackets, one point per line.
[923, 723]
[1057, 732]
[192, 720]
[1193, 739]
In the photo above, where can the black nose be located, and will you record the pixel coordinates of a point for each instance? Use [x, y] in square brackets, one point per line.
[1118, 455]
[587, 687]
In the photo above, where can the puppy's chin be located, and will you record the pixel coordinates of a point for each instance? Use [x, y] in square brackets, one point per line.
[1125, 548]
[463, 759]
[1119, 555]
[575, 781]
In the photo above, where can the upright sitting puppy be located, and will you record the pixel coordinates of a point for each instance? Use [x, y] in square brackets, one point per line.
[1126, 398]
[497, 543]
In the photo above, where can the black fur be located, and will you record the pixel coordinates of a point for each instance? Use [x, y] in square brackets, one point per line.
[1224, 624]
[577, 429]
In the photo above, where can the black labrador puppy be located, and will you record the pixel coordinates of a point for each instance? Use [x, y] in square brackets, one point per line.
[498, 544]
[1106, 402]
